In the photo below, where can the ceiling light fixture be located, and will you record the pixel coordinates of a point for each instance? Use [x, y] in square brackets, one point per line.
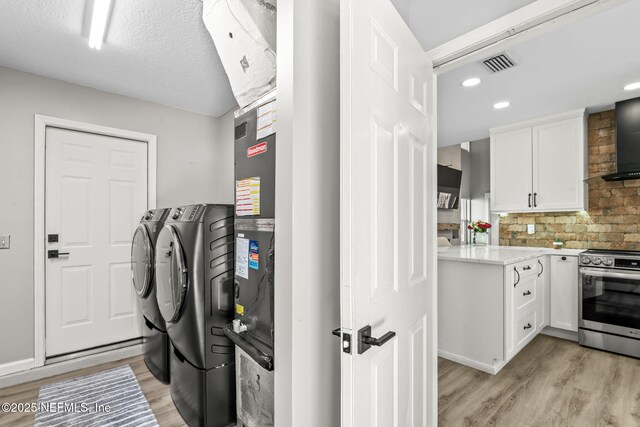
[99, 22]
[632, 86]
[500, 105]
[474, 81]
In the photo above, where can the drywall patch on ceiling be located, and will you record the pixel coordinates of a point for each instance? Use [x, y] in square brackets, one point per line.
[155, 50]
[244, 34]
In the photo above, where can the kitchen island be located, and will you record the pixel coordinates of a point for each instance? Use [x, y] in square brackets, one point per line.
[492, 301]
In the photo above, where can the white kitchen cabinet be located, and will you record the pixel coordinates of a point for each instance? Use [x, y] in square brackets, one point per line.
[511, 170]
[525, 303]
[540, 165]
[563, 290]
[488, 312]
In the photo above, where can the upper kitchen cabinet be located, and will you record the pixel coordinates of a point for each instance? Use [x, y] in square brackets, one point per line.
[540, 165]
[511, 170]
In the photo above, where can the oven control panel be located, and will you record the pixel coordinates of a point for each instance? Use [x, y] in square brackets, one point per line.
[611, 259]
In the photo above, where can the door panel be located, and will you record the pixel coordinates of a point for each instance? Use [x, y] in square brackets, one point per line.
[511, 171]
[387, 254]
[557, 165]
[563, 298]
[96, 190]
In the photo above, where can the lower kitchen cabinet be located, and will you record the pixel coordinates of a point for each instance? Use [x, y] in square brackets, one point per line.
[563, 292]
[487, 313]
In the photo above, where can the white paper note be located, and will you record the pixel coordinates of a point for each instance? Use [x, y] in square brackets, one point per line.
[266, 120]
[242, 258]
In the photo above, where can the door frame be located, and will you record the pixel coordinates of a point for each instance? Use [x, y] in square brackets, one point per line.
[41, 123]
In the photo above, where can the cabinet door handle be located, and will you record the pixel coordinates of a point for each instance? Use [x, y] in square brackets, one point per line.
[517, 281]
[527, 326]
[535, 200]
[529, 200]
[526, 293]
[541, 268]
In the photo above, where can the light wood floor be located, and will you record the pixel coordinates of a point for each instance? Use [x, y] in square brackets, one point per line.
[157, 394]
[551, 382]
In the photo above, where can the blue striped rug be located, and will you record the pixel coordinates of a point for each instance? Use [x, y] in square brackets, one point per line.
[108, 398]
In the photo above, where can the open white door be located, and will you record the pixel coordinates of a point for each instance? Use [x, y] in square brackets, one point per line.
[387, 220]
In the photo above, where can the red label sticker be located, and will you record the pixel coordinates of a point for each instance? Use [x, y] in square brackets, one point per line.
[257, 149]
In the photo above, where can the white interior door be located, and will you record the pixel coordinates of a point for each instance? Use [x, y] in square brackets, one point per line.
[387, 219]
[96, 191]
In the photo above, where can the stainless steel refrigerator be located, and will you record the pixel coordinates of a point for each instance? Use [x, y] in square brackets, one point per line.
[253, 327]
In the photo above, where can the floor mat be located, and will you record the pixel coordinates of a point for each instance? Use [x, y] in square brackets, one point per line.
[108, 398]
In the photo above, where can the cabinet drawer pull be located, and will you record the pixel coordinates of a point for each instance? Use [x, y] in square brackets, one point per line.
[526, 267]
[526, 293]
[527, 326]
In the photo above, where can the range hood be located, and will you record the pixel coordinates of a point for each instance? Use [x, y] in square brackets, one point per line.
[627, 141]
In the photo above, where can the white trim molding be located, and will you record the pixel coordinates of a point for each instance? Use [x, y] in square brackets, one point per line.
[29, 373]
[41, 123]
[16, 366]
[528, 22]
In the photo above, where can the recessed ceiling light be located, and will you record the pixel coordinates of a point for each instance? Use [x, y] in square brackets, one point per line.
[99, 22]
[500, 105]
[632, 86]
[474, 81]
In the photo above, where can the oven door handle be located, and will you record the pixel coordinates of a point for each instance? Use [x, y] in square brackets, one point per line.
[599, 273]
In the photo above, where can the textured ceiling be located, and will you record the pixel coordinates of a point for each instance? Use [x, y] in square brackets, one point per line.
[584, 64]
[159, 50]
[156, 50]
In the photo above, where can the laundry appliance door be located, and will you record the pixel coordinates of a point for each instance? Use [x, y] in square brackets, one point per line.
[142, 261]
[171, 274]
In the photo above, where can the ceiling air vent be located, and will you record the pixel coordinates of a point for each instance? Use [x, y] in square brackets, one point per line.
[499, 62]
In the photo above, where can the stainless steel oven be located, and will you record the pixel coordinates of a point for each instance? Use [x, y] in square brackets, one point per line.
[609, 304]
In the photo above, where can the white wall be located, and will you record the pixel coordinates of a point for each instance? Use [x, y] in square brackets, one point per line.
[189, 171]
[307, 293]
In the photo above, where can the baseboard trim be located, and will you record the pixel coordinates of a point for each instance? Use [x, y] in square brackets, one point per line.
[17, 366]
[560, 333]
[29, 373]
[489, 369]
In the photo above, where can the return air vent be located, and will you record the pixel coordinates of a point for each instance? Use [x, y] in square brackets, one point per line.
[499, 62]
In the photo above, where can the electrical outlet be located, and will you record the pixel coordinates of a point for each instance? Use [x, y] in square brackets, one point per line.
[5, 242]
[531, 228]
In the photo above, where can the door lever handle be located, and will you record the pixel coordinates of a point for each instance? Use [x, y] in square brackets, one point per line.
[379, 341]
[366, 341]
[55, 254]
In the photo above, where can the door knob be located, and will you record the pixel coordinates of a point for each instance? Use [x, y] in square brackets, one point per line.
[365, 340]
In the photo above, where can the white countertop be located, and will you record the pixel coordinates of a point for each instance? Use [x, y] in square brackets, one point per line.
[501, 255]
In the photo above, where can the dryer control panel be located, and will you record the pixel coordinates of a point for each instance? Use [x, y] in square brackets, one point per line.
[186, 213]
